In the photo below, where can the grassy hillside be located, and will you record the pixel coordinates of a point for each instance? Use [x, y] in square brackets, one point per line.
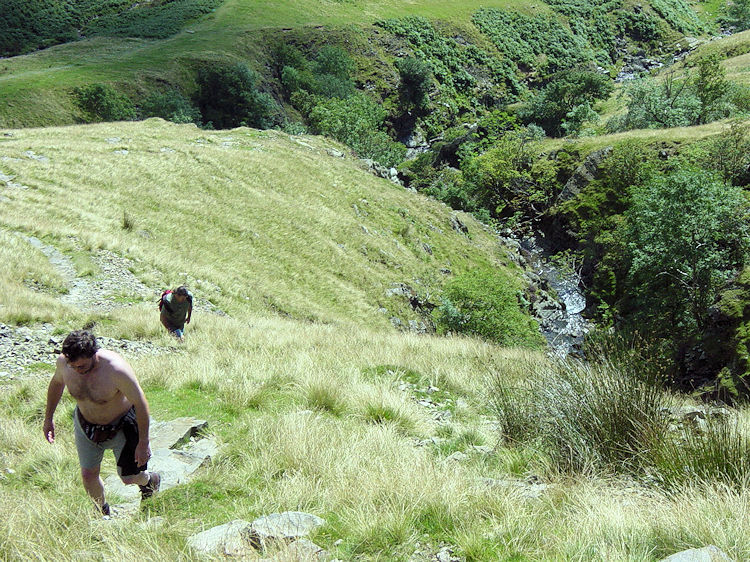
[265, 220]
[319, 404]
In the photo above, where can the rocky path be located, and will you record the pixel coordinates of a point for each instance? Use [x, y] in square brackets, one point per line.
[29, 351]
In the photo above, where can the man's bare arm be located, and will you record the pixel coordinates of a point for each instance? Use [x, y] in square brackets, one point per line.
[54, 393]
[127, 384]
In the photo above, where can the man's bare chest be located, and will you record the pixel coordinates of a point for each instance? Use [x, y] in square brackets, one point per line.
[91, 388]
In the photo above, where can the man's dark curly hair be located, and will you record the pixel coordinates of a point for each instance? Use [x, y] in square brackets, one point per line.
[79, 343]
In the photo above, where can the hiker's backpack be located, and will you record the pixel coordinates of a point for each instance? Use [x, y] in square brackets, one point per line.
[161, 298]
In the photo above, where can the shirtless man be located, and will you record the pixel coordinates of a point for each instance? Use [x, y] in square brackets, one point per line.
[111, 413]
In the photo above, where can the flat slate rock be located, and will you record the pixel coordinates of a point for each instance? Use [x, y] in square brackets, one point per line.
[174, 465]
[708, 553]
[286, 525]
[171, 434]
[231, 539]
[276, 533]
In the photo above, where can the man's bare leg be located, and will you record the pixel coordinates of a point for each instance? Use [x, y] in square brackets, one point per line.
[93, 485]
[141, 478]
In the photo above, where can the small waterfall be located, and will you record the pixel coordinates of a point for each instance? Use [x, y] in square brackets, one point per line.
[560, 312]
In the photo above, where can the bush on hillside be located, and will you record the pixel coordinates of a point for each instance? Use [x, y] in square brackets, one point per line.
[484, 302]
[687, 233]
[736, 15]
[27, 25]
[228, 97]
[357, 122]
[557, 106]
[156, 20]
[103, 103]
[682, 102]
[415, 81]
[328, 75]
[170, 105]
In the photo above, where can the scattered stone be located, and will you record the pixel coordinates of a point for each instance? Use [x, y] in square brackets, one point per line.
[231, 539]
[458, 226]
[458, 456]
[285, 526]
[531, 488]
[174, 465]
[708, 553]
[31, 154]
[172, 434]
[279, 530]
[335, 153]
[121, 151]
[113, 140]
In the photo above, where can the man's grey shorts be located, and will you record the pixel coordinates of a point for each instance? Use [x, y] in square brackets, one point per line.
[90, 454]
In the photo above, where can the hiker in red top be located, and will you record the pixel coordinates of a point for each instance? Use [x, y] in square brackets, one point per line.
[176, 309]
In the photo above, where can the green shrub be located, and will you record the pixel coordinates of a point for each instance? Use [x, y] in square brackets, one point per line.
[687, 235]
[484, 302]
[328, 75]
[357, 121]
[736, 15]
[103, 103]
[170, 105]
[27, 25]
[540, 43]
[228, 97]
[152, 21]
[414, 86]
[554, 107]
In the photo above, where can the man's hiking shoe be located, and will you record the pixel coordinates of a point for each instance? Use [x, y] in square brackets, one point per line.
[104, 509]
[154, 480]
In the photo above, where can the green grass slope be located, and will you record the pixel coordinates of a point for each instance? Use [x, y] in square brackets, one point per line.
[266, 221]
[341, 416]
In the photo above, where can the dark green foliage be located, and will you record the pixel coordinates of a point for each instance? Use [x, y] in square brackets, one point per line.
[679, 15]
[357, 121]
[730, 154]
[328, 75]
[510, 180]
[27, 25]
[710, 85]
[553, 107]
[539, 43]
[736, 15]
[484, 302]
[687, 235]
[679, 102]
[153, 22]
[170, 105]
[228, 97]
[639, 26]
[414, 86]
[456, 68]
[103, 103]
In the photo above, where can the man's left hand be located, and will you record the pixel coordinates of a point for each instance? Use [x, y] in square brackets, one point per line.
[142, 453]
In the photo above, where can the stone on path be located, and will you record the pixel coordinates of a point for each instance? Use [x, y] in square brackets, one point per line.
[708, 553]
[231, 539]
[172, 434]
[174, 465]
[279, 535]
